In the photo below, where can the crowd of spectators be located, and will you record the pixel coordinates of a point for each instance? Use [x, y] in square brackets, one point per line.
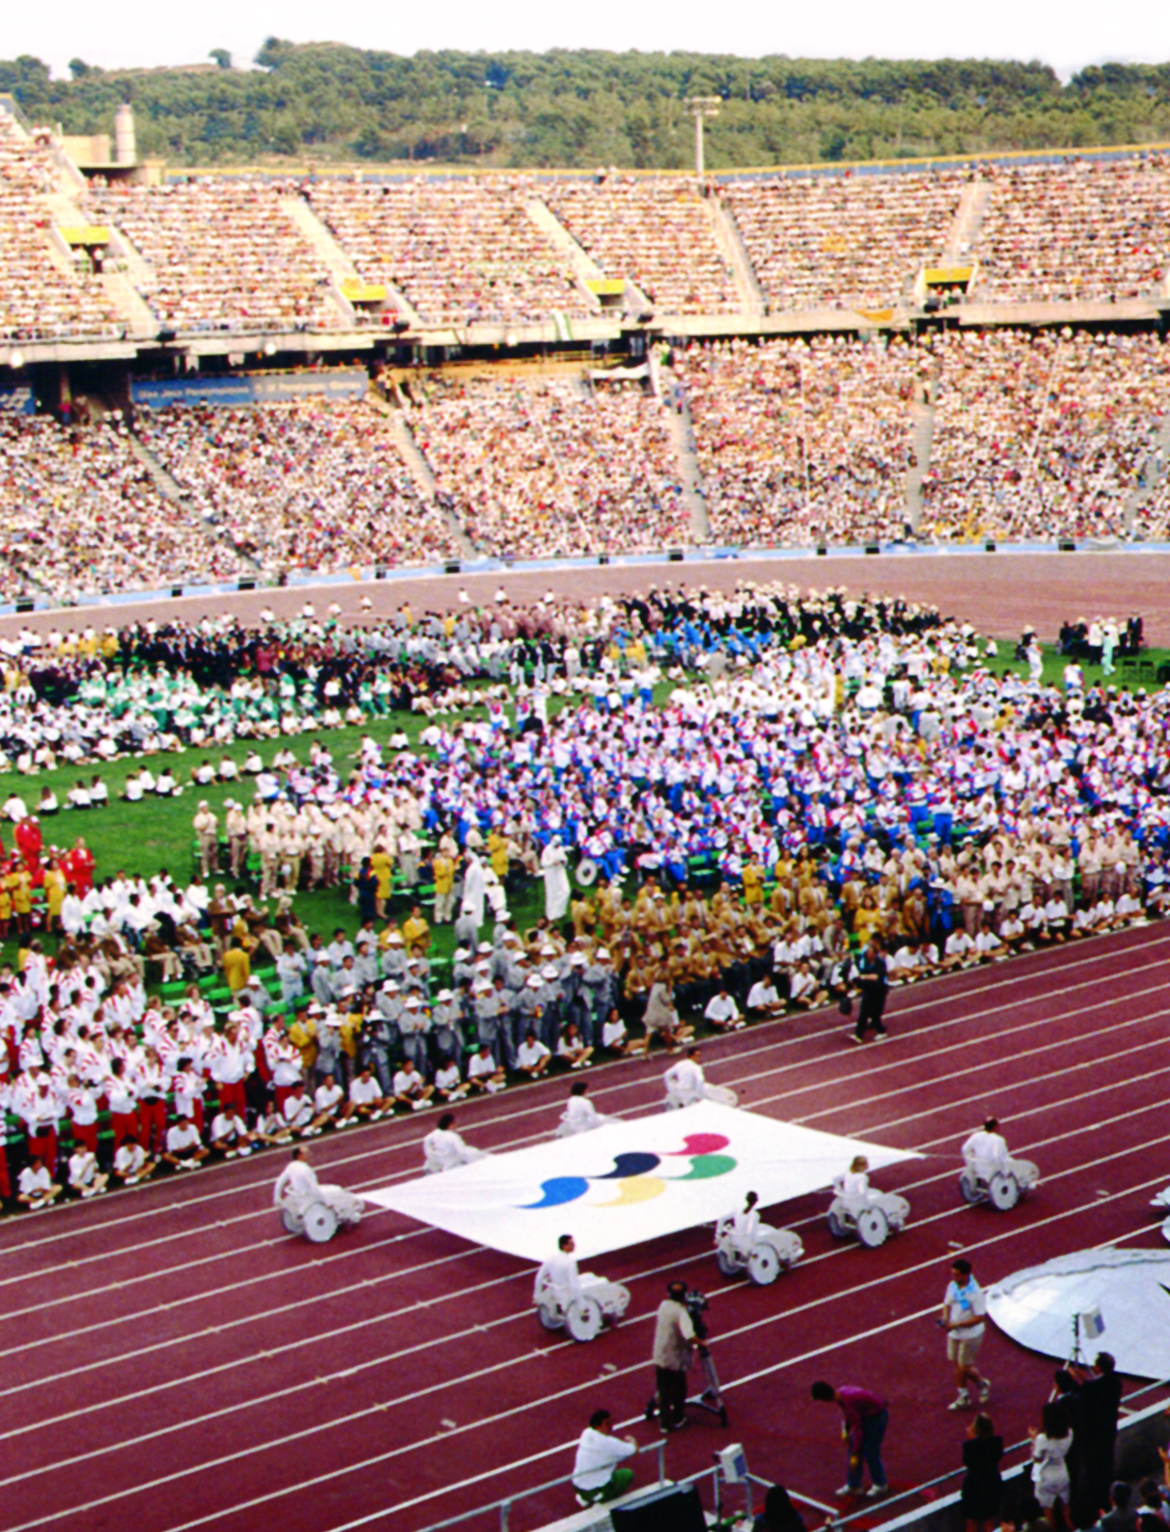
[1074, 231]
[223, 254]
[801, 440]
[554, 468]
[81, 515]
[459, 250]
[763, 781]
[315, 484]
[1041, 434]
[656, 233]
[41, 296]
[844, 241]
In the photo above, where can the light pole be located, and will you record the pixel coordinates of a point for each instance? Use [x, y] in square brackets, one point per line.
[702, 107]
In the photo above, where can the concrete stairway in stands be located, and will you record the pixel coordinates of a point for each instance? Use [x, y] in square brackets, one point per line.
[921, 442]
[419, 468]
[585, 268]
[168, 486]
[682, 437]
[1158, 467]
[339, 266]
[751, 294]
[968, 222]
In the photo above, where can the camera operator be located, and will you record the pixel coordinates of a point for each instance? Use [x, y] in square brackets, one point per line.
[674, 1345]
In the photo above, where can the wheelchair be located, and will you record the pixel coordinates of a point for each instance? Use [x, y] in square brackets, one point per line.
[1001, 1188]
[870, 1219]
[584, 1317]
[1162, 1203]
[317, 1219]
[774, 1251]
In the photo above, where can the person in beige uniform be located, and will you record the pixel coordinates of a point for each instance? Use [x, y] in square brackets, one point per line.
[207, 831]
[237, 834]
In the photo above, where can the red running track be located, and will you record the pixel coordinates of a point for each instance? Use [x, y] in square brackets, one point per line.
[170, 1360]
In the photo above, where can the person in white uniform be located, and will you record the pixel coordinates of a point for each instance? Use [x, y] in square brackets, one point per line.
[556, 880]
[580, 1115]
[444, 1149]
[596, 1476]
[686, 1084]
[986, 1153]
[297, 1186]
[558, 1277]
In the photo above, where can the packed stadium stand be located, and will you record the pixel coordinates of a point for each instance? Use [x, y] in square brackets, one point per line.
[1075, 232]
[42, 294]
[552, 469]
[221, 255]
[802, 441]
[82, 515]
[832, 241]
[459, 250]
[1044, 432]
[656, 233]
[313, 485]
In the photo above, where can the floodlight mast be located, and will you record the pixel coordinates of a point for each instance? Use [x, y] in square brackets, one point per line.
[702, 107]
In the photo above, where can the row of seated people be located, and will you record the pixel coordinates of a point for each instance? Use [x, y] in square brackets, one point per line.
[1077, 231]
[40, 297]
[226, 253]
[82, 515]
[315, 484]
[1042, 433]
[657, 233]
[549, 469]
[801, 440]
[222, 254]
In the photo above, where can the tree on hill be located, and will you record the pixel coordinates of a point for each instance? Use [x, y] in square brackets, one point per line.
[581, 107]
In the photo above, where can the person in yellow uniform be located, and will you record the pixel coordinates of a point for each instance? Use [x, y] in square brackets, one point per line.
[443, 872]
[497, 849]
[54, 886]
[382, 866]
[415, 931]
[237, 968]
[753, 884]
[19, 885]
[5, 907]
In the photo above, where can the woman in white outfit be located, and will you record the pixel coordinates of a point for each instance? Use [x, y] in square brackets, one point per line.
[580, 1115]
[1050, 1449]
[556, 880]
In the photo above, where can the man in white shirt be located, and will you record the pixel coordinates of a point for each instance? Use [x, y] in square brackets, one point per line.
[580, 1115]
[685, 1083]
[35, 1188]
[298, 1113]
[722, 1012]
[596, 1476]
[449, 1083]
[483, 1074]
[130, 1162]
[532, 1057]
[958, 949]
[297, 1186]
[962, 1318]
[84, 1177]
[558, 1278]
[444, 1149]
[410, 1089]
[763, 1001]
[328, 1102]
[184, 1148]
[365, 1098]
[229, 1134]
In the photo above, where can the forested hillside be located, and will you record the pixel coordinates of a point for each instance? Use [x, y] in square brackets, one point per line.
[331, 102]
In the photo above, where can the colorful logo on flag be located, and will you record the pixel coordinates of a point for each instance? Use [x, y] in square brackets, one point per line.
[632, 1174]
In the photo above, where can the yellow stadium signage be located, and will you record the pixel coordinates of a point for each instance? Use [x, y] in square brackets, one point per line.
[609, 287]
[364, 292]
[946, 276]
[85, 234]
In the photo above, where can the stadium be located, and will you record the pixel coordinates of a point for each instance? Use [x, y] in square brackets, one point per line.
[713, 571]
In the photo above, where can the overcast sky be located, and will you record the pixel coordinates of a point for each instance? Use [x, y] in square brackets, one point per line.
[1067, 36]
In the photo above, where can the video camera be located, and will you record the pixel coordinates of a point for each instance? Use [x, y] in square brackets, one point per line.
[695, 1304]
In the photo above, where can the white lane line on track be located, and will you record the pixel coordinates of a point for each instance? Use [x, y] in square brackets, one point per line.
[349, 1469]
[446, 1385]
[611, 1086]
[325, 1336]
[898, 1061]
[1097, 1060]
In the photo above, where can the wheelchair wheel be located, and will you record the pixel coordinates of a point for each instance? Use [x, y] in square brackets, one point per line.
[872, 1228]
[838, 1228]
[320, 1222]
[726, 1262]
[291, 1221]
[969, 1189]
[584, 1318]
[1166, 1231]
[763, 1265]
[549, 1317]
[1003, 1190]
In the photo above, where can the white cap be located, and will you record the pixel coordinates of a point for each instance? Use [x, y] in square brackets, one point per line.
[533, 981]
